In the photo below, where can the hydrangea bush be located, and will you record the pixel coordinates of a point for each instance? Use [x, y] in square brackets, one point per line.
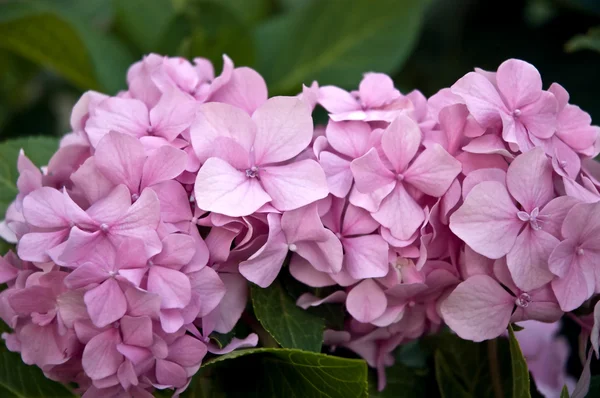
[137, 244]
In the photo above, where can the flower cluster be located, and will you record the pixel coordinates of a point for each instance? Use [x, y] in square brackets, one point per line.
[475, 208]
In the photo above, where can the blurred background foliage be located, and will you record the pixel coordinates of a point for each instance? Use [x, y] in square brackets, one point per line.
[53, 50]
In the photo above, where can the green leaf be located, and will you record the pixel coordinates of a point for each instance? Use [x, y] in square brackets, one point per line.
[268, 372]
[23, 381]
[477, 369]
[516, 328]
[290, 325]
[250, 11]
[447, 383]
[38, 149]
[61, 40]
[143, 22]
[401, 382]
[564, 393]
[589, 41]
[336, 41]
[216, 30]
[520, 373]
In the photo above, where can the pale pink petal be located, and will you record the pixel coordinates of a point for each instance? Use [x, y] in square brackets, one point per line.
[172, 286]
[127, 376]
[234, 344]
[573, 287]
[349, 138]
[477, 176]
[336, 100]
[7, 271]
[481, 98]
[170, 374]
[303, 224]
[137, 330]
[574, 128]
[487, 221]
[166, 163]
[433, 171]
[45, 208]
[365, 256]
[400, 213]
[284, 128]
[264, 265]
[121, 115]
[225, 316]
[35, 246]
[375, 89]
[42, 346]
[358, 221]
[294, 185]
[105, 303]
[400, 142]
[309, 300]
[370, 174]
[366, 301]
[467, 309]
[528, 259]
[177, 250]
[85, 275]
[207, 288]
[370, 201]
[325, 256]
[222, 189]
[303, 271]
[187, 351]
[540, 117]
[174, 112]
[487, 144]
[91, 181]
[215, 120]
[100, 356]
[554, 213]
[171, 320]
[141, 302]
[121, 158]
[519, 82]
[32, 299]
[529, 179]
[174, 202]
[337, 172]
[246, 89]
[112, 207]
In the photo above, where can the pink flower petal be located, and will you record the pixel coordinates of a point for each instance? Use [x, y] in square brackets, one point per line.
[120, 158]
[170, 374]
[481, 98]
[325, 256]
[137, 331]
[250, 341]
[487, 221]
[529, 179]
[166, 163]
[365, 256]
[222, 189]
[105, 303]
[370, 174]
[303, 224]
[433, 171]
[400, 142]
[85, 275]
[349, 138]
[264, 265]
[336, 100]
[480, 175]
[540, 117]
[246, 89]
[337, 172]
[35, 246]
[208, 289]
[225, 316]
[121, 115]
[45, 208]
[376, 89]
[400, 213]
[215, 120]
[294, 185]
[173, 113]
[519, 82]
[177, 250]
[187, 351]
[366, 301]
[172, 286]
[303, 271]
[100, 356]
[283, 129]
[467, 309]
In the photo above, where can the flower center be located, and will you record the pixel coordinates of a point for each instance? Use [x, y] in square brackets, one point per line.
[192, 198]
[523, 300]
[150, 130]
[292, 247]
[135, 197]
[517, 113]
[399, 177]
[532, 218]
[580, 251]
[104, 227]
[252, 172]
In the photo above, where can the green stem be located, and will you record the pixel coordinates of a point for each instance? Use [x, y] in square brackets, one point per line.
[492, 348]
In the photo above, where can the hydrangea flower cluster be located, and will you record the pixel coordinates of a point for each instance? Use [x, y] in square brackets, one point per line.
[474, 208]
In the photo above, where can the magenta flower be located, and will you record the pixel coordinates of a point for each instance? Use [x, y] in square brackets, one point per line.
[430, 172]
[301, 232]
[492, 225]
[527, 113]
[575, 259]
[241, 170]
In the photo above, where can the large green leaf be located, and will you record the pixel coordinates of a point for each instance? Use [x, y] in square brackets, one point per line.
[38, 149]
[336, 41]
[61, 40]
[589, 41]
[520, 373]
[290, 326]
[401, 382]
[143, 22]
[23, 381]
[465, 368]
[268, 372]
[217, 30]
